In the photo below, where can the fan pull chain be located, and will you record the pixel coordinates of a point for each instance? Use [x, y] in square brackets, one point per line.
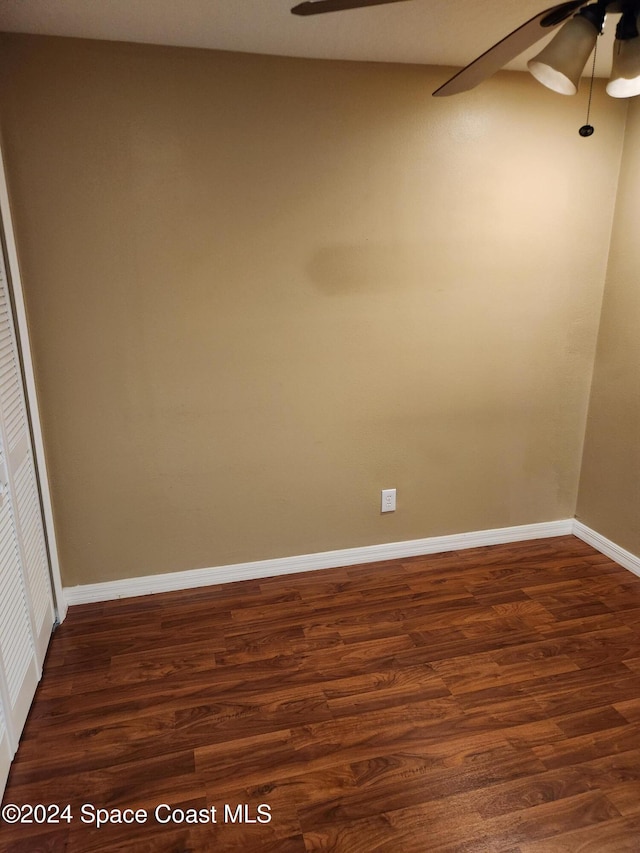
[587, 129]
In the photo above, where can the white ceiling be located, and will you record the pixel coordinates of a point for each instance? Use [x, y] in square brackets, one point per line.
[438, 32]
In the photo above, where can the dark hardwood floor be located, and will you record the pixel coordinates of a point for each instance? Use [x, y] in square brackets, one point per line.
[483, 700]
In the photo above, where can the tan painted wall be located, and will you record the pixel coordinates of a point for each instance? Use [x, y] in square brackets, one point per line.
[262, 289]
[609, 497]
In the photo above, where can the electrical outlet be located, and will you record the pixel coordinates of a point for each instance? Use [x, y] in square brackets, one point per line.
[388, 500]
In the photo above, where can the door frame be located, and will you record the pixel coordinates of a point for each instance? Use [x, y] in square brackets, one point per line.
[24, 344]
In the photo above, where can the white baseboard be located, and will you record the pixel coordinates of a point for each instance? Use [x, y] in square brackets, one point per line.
[149, 584]
[624, 558]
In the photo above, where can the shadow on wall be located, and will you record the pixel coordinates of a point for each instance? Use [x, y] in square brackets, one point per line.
[360, 268]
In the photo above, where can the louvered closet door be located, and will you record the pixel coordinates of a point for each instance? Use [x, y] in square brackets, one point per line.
[26, 601]
[6, 752]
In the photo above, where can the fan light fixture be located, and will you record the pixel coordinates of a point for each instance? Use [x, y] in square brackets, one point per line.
[560, 64]
[625, 72]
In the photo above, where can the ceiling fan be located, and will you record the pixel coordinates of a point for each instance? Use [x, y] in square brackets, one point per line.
[560, 64]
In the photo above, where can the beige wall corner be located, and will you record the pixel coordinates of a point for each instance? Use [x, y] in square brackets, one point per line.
[262, 289]
[609, 496]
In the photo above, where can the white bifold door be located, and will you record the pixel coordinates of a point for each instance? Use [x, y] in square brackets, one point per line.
[26, 600]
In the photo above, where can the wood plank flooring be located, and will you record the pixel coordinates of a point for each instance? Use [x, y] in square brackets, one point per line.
[484, 700]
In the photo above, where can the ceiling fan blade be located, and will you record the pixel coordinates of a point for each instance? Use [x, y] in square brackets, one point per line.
[508, 48]
[316, 7]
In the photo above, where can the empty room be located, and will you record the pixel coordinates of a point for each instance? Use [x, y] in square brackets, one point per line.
[319, 426]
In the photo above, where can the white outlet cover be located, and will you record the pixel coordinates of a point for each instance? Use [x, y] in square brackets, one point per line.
[388, 501]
